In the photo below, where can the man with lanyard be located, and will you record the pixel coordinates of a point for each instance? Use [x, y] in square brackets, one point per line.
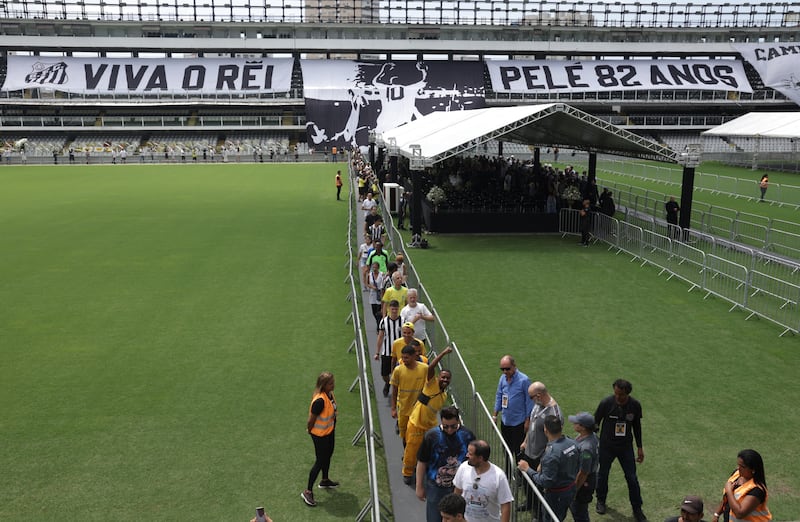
[559, 467]
[443, 449]
[621, 418]
[513, 402]
[425, 414]
[484, 486]
[536, 441]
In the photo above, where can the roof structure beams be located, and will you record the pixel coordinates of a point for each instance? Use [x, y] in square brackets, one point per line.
[446, 134]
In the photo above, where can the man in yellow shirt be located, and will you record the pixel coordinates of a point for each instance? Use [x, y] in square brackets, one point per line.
[407, 382]
[396, 292]
[407, 336]
[425, 414]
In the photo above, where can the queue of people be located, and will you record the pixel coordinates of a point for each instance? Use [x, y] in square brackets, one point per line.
[450, 469]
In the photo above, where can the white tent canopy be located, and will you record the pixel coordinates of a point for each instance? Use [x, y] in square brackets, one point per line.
[764, 124]
[441, 135]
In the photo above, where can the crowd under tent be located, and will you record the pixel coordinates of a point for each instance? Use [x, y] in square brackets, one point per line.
[440, 135]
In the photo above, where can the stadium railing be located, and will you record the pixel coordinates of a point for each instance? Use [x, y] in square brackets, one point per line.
[773, 235]
[779, 194]
[555, 13]
[474, 412]
[367, 431]
[757, 282]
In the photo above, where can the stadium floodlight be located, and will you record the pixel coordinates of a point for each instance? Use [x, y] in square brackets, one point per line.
[392, 147]
[690, 157]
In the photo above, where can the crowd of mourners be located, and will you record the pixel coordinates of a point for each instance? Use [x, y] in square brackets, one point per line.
[497, 184]
[448, 467]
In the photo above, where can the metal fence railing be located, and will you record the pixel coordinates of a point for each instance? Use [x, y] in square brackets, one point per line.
[779, 193]
[367, 431]
[759, 283]
[474, 412]
[646, 207]
[517, 13]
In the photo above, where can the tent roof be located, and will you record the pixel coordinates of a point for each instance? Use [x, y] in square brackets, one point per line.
[441, 135]
[767, 124]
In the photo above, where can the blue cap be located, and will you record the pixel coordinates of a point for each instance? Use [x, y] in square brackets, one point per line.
[583, 418]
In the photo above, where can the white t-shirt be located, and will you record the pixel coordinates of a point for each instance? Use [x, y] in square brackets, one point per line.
[375, 295]
[408, 313]
[363, 252]
[367, 205]
[484, 493]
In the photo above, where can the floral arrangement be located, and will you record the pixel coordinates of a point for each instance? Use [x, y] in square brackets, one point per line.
[572, 193]
[436, 195]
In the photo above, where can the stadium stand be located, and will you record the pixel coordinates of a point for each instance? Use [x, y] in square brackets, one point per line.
[237, 124]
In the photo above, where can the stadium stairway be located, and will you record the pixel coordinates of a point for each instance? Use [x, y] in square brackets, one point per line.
[405, 504]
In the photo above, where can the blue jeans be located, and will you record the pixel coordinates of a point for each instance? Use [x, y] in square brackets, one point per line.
[628, 463]
[433, 495]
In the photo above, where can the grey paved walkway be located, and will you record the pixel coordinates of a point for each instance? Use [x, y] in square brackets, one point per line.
[407, 507]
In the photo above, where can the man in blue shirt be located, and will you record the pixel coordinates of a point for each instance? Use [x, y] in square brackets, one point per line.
[514, 403]
[443, 450]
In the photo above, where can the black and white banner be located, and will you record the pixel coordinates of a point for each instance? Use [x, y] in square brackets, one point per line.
[149, 76]
[778, 64]
[529, 76]
[346, 99]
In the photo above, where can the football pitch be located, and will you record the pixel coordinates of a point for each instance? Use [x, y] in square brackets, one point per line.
[163, 327]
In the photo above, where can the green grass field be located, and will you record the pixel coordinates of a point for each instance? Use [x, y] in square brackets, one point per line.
[704, 198]
[163, 327]
[711, 384]
[162, 330]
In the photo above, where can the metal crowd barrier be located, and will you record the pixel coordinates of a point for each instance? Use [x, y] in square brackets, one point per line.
[367, 431]
[773, 235]
[779, 193]
[760, 283]
[474, 412]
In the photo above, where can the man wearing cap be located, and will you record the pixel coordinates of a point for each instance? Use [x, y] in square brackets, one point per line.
[417, 313]
[406, 338]
[559, 467]
[621, 419]
[512, 403]
[396, 292]
[691, 510]
[586, 480]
